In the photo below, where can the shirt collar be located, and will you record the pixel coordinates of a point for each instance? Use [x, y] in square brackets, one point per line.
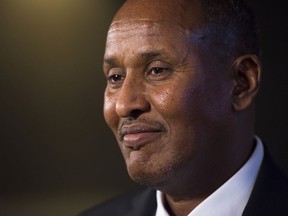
[230, 198]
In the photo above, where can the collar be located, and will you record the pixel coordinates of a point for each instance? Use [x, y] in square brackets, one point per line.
[230, 198]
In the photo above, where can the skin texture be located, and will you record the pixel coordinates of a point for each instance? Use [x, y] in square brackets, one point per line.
[182, 118]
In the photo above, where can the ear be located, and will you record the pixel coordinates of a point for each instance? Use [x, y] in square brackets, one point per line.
[246, 79]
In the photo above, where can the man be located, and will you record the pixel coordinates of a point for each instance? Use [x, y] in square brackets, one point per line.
[182, 76]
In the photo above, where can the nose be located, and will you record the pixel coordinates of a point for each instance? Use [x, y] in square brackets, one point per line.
[132, 99]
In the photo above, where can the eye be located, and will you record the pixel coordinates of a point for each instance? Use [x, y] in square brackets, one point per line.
[115, 78]
[157, 70]
[158, 73]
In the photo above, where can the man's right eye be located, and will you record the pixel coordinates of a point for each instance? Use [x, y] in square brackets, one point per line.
[115, 79]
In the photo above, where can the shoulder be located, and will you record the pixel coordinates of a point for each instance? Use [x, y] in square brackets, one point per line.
[270, 193]
[125, 204]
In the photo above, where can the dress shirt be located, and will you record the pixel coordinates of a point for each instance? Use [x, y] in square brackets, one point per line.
[231, 198]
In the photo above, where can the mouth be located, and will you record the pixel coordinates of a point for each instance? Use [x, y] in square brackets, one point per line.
[136, 136]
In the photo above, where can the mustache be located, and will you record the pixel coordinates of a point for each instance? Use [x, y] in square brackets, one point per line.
[139, 124]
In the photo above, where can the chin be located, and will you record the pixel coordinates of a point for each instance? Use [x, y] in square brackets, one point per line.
[148, 180]
[152, 178]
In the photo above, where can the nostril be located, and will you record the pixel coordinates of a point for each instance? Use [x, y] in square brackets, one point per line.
[135, 114]
[129, 105]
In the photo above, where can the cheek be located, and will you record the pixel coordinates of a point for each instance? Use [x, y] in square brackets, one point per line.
[110, 115]
[164, 98]
[173, 100]
[187, 108]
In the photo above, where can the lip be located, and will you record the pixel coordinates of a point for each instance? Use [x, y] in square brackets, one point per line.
[136, 136]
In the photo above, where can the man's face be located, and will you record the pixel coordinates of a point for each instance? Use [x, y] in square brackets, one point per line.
[167, 100]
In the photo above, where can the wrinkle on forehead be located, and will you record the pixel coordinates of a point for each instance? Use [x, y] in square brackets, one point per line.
[133, 24]
[147, 38]
[185, 13]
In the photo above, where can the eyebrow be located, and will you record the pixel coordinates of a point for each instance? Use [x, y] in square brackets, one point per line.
[151, 54]
[146, 55]
[110, 61]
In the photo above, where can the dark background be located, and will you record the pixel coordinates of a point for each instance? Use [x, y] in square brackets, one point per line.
[57, 156]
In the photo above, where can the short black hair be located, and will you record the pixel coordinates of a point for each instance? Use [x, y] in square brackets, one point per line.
[232, 25]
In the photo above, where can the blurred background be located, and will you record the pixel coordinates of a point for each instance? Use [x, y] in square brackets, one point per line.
[57, 156]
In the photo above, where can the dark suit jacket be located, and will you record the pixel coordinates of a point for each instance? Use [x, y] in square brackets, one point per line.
[269, 197]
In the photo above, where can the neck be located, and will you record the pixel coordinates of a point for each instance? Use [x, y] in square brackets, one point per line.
[181, 207]
[186, 194]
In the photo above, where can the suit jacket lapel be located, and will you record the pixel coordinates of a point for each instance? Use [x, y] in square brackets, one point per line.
[144, 204]
[270, 193]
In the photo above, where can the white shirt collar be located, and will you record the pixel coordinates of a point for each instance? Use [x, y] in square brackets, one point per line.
[232, 197]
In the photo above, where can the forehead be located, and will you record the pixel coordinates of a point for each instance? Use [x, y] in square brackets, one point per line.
[130, 24]
[186, 13]
[140, 36]
[144, 30]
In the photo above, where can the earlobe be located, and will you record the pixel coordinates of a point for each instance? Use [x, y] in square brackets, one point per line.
[246, 79]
